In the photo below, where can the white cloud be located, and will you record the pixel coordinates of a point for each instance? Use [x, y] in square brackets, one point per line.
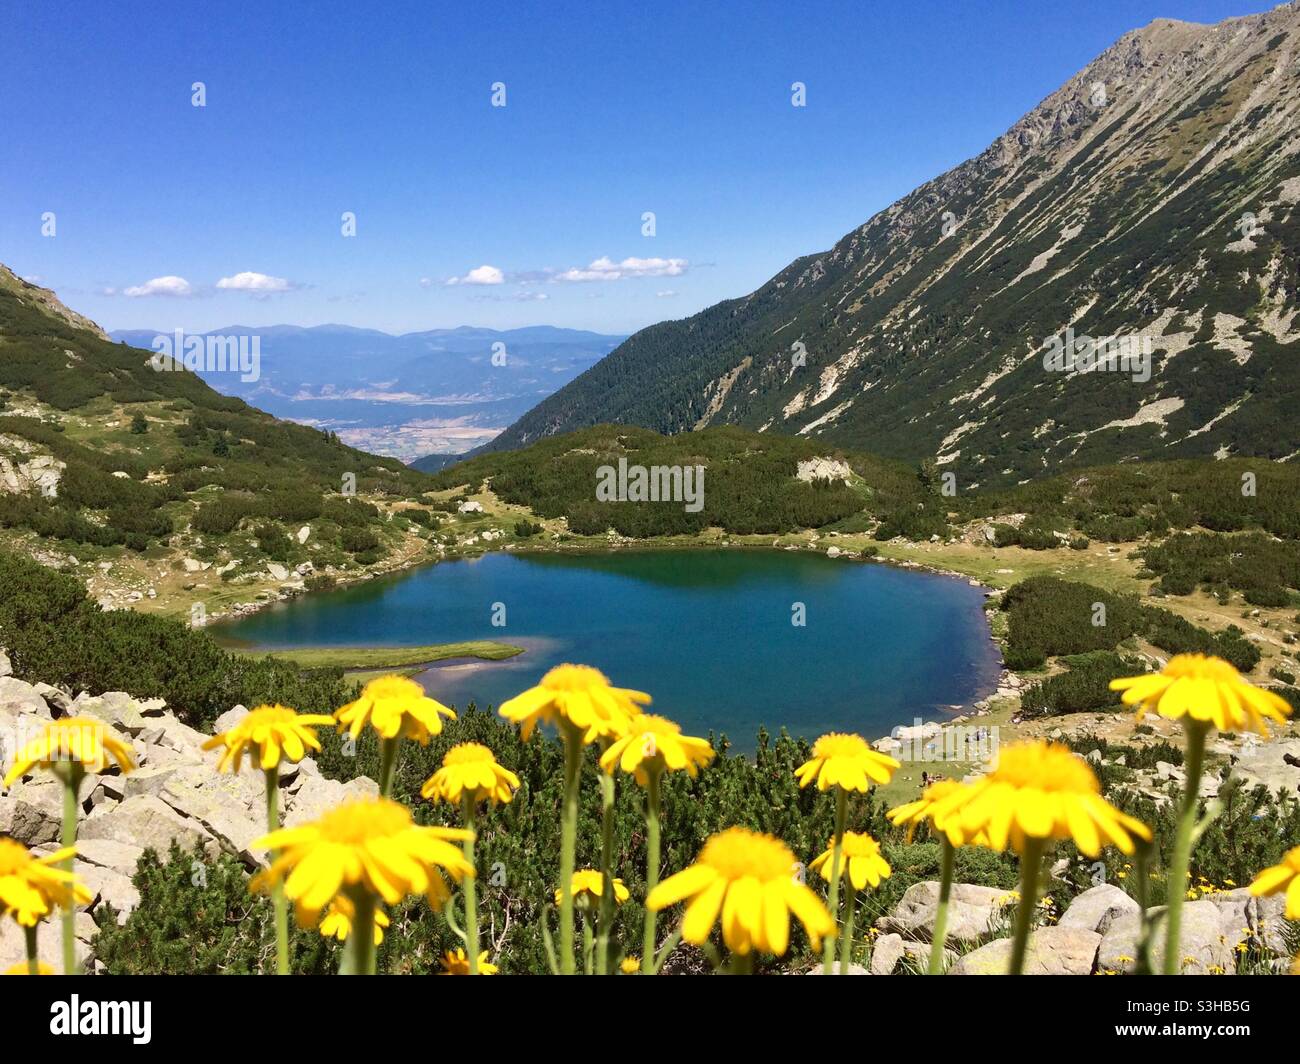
[480, 275]
[161, 286]
[606, 269]
[248, 281]
[667, 293]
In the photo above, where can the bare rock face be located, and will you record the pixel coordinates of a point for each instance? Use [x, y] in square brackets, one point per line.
[974, 912]
[1051, 951]
[1204, 947]
[823, 469]
[120, 857]
[1275, 765]
[16, 697]
[44, 298]
[1097, 908]
[886, 952]
[148, 822]
[41, 473]
[49, 942]
[108, 885]
[31, 813]
[317, 795]
[229, 719]
[113, 707]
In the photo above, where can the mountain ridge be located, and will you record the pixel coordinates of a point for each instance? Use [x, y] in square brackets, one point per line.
[1115, 206]
[162, 494]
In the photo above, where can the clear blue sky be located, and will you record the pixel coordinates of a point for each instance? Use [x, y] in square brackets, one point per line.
[613, 109]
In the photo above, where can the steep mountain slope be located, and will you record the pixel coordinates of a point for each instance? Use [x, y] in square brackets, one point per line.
[156, 490]
[438, 390]
[1154, 195]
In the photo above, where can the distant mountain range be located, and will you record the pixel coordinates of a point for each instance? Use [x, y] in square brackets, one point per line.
[153, 488]
[1152, 199]
[444, 390]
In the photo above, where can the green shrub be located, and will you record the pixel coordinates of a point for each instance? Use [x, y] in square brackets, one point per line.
[54, 633]
[197, 917]
[1083, 688]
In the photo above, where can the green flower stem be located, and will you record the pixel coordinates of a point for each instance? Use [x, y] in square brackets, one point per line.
[1030, 861]
[742, 965]
[468, 886]
[387, 765]
[33, 965]
[361, 942]
[837, 845]
[277, 892]
[72, 774]
[652, 803]
[1141, 855]
[940, 937]
[846, 939]
[606, 872]
[1182, 856]
[588, 942]
[673, 940]
[569, 842]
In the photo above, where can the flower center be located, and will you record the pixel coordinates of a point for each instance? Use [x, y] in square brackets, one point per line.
[574, 678]
[467, 754]
[355, 823]
[392, 688]
[649, 724]
[739, 852]
[857, 844]
[1200, 667]
[13, 857]
[1046, 767]
[839, 745]
[276, 714]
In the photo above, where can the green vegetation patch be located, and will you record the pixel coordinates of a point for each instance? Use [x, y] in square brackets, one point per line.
[54, 633]
[353, 658]
[1050, 617]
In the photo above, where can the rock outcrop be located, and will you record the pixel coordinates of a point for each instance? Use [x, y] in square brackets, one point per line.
[175, 795]
[974, 912]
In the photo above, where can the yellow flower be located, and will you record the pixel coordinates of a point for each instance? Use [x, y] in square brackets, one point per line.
[577, 695]
[630, 965]
[85, 741]
[455, 962]
[588, 885]
[471, 769]
[372, 845]
[1041, 791]
[1295, 965]
[748, 879]
[23, 968]
[273, 733]
[655, 743]
[337, 921]
[922, 810]
[1207, 690]
[860, 860]
[1279, 877]
[396, 707]
[845, 761]
[32, 887]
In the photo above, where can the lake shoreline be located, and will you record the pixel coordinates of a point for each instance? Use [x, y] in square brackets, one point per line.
[967, 691]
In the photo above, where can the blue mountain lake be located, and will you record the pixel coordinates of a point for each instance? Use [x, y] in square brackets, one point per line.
[709, 633]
